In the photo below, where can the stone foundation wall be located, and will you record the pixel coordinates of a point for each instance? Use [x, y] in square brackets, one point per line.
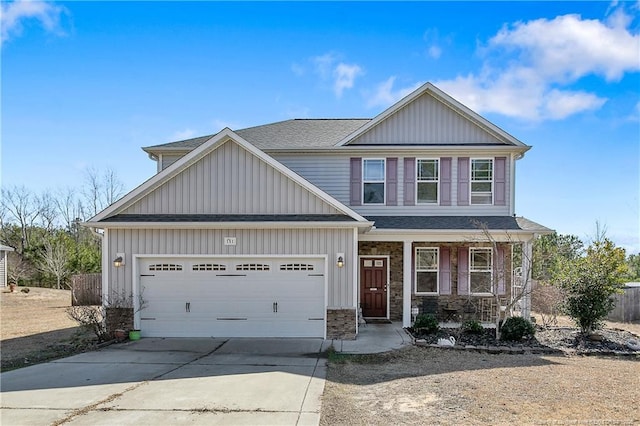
[341, 324]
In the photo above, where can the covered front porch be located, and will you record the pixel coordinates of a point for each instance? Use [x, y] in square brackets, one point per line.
[454, 274]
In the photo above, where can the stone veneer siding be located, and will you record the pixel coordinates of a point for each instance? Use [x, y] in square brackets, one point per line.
[394, 251]
[467, 305]
[341, 324]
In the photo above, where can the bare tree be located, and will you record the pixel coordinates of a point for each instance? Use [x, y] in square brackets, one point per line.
[48, 214]
[70, 208]
[519, 293]
[22, 207]
[17, 269]
[54, 259]
[101, 189]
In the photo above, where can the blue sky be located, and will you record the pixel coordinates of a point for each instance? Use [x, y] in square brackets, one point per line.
[86, 84]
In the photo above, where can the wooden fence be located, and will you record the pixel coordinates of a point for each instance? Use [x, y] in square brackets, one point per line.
[86, 290]
[627, 306]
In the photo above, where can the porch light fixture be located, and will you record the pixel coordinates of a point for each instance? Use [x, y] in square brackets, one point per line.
[119, 260]
[340, 260]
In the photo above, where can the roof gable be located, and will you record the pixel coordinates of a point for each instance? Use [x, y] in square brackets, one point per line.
[429, 116]
[225, 176]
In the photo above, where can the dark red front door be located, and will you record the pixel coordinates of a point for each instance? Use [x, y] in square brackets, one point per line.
[373, 287]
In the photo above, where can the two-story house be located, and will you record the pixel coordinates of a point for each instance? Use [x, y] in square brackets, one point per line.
[294, 228]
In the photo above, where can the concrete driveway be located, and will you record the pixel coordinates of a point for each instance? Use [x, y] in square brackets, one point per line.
[172, 381]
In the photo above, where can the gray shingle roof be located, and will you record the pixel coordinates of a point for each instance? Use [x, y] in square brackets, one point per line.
[508, 223]
[228, 218]
[289, 134]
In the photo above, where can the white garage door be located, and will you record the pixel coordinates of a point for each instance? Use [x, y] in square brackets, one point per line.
[232, 297]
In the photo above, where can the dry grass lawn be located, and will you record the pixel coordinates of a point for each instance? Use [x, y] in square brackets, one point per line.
[420, 386]
[34, 326]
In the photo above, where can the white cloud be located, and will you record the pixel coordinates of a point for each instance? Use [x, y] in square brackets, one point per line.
[341, 74]
[345, 76]
[384, 94]
[297, 69]
[544, 58]
[181, 135]
[323, 64]
[13, 14]
[568, 47]
[434, 51]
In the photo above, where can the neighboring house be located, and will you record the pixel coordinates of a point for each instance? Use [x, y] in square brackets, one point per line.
[4, 264]
[287, 229]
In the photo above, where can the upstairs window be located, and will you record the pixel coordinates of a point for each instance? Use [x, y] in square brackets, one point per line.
[480, 271]
[427, 175]
[373, 173]
[481, 181]
[426, 270]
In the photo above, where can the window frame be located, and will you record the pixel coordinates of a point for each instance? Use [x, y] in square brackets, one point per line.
[472, 181]
[436, 181]
[383, 181]
[416, 270]
[472, 250]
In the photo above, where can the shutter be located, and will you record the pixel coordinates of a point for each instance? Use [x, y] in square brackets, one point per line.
[445, 270]
[463, 270]
[502, 290]
[500, 179]
[463, 181]
[355, 198]
[445, 181]
[409, 181]
[392, 182]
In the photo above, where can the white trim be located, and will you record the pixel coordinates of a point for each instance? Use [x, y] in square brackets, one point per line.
[211, 145]
[493, 179]
[227, 225]
[490, 270]
[444, 98]
[106, 267]
[437, 182]
[406, 283]
[354, 277]
[415, 272]
[388, 284]
[136, 276]
[512, 185]
[384, 181]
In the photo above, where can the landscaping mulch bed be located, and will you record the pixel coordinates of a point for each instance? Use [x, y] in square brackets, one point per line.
[565, 339]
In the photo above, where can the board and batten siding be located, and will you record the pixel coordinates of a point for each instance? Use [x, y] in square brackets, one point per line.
[254, 242]
[230, 180]
[331, 174]
[426, 121]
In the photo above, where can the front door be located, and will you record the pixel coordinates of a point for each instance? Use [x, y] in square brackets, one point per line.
[373, 287]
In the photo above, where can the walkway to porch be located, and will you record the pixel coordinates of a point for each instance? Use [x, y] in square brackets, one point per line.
[372, 338]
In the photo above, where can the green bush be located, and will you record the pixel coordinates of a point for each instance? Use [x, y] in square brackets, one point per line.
[427, 323]
[516, 328]
[472, 327]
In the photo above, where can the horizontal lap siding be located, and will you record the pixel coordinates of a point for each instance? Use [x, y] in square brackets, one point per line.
[328, 172]
[331, 174]
[231, 180]
[249, 242]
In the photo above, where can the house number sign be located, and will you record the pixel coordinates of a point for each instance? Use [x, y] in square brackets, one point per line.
[229, 241]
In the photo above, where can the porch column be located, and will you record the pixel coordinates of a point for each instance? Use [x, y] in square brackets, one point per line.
[406, 284]
[527, 257]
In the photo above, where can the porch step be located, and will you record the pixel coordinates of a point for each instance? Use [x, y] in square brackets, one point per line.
[377, 321]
